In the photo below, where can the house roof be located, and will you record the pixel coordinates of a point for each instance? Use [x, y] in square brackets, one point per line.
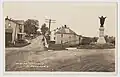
[65, 30]
[20, 22]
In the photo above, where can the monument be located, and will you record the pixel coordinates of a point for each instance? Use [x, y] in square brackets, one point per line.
[101, 39]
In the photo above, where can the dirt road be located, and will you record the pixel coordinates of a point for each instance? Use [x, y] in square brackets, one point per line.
[65, 60]
[33, 58]
[36, 45]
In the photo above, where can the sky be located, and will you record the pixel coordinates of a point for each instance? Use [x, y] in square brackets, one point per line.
[82, 18]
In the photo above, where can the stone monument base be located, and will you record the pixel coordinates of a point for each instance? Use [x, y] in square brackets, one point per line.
[101, 40]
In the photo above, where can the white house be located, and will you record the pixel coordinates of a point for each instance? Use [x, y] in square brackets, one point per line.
[65, 35]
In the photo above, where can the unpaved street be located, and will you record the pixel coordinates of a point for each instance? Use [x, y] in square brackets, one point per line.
[65, 60]
[33, 58]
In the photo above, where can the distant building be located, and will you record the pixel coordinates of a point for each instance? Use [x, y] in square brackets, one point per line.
[65, 35]
[14, 30]
[52, 38]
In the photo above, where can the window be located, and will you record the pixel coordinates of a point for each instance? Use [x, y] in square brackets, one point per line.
[20, 28]
[9, 24]
[61, 35]
[69, 36]
[67, 30]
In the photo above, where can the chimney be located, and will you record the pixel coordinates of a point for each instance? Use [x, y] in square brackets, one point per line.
[65, 26]
[6, 18]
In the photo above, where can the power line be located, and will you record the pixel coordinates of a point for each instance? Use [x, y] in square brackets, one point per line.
[49, 21]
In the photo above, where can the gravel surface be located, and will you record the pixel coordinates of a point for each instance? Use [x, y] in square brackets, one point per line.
[34, 58]
[66, 60]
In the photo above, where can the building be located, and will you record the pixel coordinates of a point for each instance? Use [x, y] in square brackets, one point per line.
[66, 36]
[14, 30]
[52, 36]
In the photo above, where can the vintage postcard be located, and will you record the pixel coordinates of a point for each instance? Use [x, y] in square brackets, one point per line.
[60, 36]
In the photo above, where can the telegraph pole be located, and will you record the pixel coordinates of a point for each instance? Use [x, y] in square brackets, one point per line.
[49, 21]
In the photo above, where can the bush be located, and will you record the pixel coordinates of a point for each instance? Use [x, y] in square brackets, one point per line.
[97, 46]
[56, 47]
[19, 43]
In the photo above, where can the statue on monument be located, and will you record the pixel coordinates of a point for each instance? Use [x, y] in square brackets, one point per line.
[102, 20]
[101, 39]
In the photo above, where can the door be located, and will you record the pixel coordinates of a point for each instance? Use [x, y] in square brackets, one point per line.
[8, 38]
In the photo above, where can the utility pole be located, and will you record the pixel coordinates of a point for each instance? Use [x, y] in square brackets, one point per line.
[49, 21]
[62, 40]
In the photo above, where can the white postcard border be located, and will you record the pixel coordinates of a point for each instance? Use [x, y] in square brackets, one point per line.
[60, 73]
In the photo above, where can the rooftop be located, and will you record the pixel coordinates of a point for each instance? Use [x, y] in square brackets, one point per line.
[20, 22]
[65, 30]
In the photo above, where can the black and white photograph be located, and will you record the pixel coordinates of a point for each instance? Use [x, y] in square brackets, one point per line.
[60, 36]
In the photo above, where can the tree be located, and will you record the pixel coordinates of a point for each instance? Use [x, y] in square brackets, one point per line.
[106, 38]
[94, 39]
[112, 40]
[86, 40]
[31, 26]
[44, 29]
